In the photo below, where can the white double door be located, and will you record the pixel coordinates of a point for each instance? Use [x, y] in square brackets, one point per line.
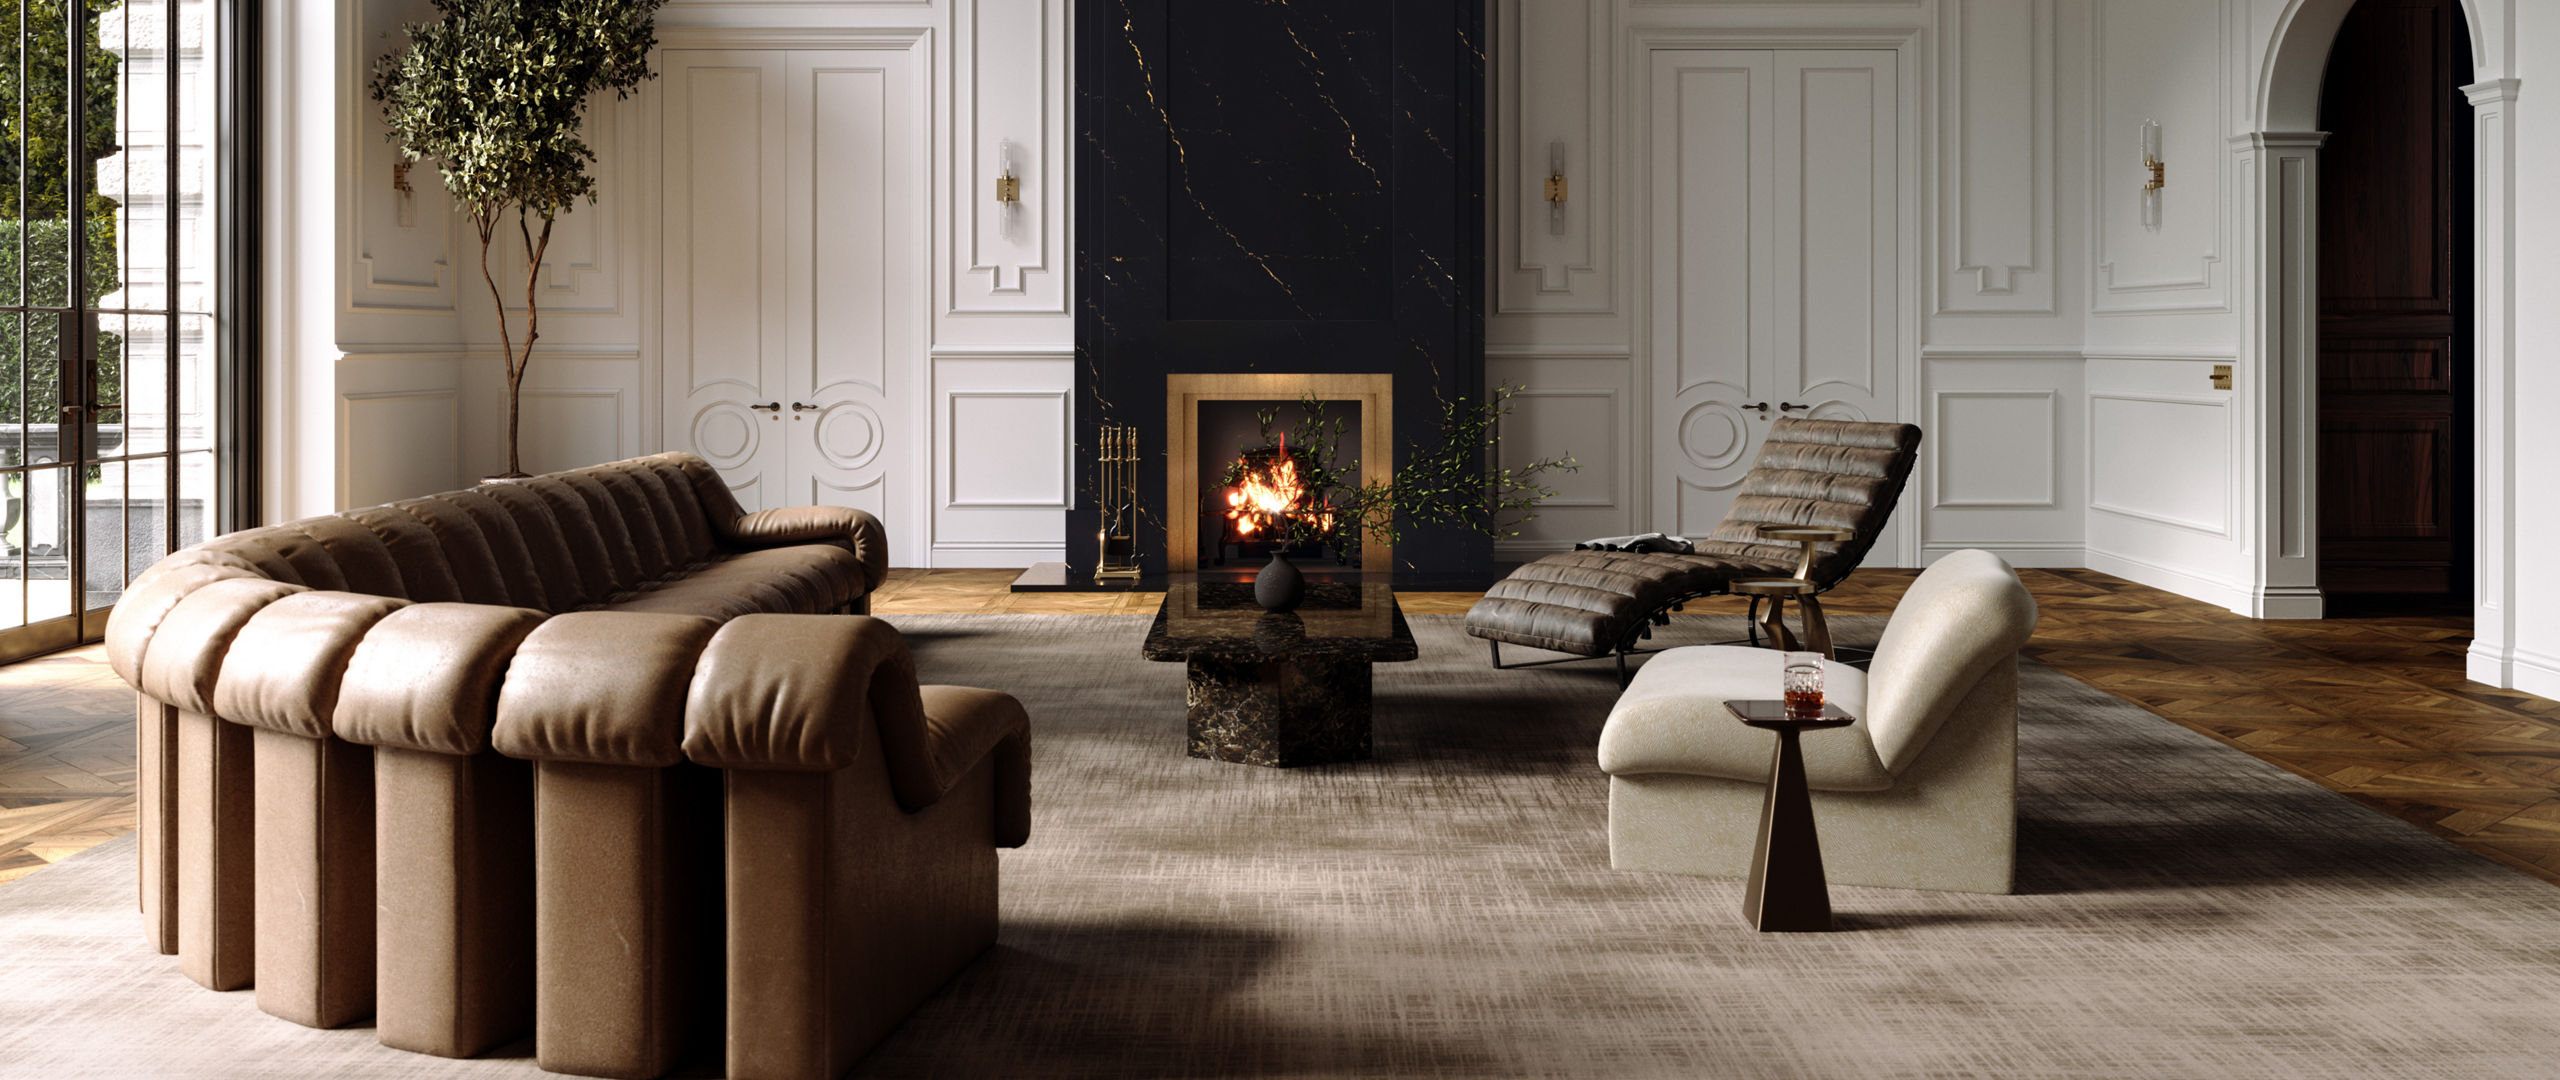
[793, 248]
[1777, 269]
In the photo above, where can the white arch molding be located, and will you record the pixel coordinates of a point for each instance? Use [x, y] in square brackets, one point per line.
[2279, 176]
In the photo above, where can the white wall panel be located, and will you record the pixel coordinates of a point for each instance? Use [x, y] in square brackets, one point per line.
[1584, 408]
[1995, 224]
[2002, 456]
[2165, 459]
[2158, 60]
[1552, 93]
[1000, 459]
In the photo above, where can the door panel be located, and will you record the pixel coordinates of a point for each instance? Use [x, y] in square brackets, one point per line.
[793, 316]
[1714, 178]
[2394, 307]
[857, 338]
[722, 192]
[1776, 267]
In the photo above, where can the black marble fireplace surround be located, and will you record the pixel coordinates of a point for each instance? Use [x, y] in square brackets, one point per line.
[1268, 187]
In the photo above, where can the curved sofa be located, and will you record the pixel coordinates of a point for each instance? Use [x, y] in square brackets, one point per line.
[491, 761]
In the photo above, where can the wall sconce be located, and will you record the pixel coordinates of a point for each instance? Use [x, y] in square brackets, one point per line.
[1555, 188]
[2155, 174]
[1008, 190]
[404, 208]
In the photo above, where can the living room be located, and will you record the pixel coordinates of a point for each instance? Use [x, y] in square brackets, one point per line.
[1456, 537]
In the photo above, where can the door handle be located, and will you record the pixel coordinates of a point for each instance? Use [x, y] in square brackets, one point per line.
[1761, 407]
[1789, 406]
[802, 406]
[767, 406]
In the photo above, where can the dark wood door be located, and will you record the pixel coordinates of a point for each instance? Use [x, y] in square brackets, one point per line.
[2395, 311]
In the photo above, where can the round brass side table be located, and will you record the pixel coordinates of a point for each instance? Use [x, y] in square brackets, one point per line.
[1775, 591]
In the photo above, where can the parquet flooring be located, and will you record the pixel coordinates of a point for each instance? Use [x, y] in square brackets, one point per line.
[2372, 707]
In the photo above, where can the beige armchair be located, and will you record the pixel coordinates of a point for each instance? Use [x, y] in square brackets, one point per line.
[1920, 793]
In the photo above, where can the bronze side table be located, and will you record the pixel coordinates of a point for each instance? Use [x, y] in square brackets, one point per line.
[1786, 891]
[1775, 591]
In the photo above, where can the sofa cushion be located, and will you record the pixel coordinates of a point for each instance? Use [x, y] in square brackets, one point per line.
[426, 677]
[1672, 720]
[601, 687]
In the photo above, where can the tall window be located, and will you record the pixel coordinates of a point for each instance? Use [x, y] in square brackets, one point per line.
[108, 376]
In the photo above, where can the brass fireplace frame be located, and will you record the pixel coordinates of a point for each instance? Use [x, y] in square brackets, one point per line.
[1183, 394]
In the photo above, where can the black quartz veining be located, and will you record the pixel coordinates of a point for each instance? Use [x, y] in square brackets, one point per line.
[1276, 186]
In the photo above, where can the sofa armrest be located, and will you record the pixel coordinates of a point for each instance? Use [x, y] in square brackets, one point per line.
[856, 529]
[796, 692]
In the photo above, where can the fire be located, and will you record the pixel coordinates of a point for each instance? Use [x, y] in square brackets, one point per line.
[1270, 492]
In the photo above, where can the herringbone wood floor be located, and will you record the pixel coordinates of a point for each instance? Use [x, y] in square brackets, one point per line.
[2374, 708]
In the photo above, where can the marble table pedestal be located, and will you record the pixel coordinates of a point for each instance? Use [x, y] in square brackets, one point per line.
[1279, 713]
[1279, 689]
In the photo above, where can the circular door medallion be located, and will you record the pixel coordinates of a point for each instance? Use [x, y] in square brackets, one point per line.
[1713, 435]
[849, 434]
[724, 434]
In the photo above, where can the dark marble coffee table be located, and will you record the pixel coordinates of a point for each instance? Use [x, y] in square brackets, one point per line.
[1282, 689]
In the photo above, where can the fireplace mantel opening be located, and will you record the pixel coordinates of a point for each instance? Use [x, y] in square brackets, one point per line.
[1371, 396]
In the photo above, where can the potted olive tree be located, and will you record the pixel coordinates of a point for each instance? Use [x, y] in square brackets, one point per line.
[493, 92]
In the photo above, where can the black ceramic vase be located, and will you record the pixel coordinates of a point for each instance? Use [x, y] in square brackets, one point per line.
[1279, 586]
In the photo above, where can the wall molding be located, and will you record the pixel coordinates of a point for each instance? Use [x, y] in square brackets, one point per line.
[951, 448]
[2017, 282]
[2098, 502]
[1541, 268]
[2211, 281]
[2182, 582]
[1938, 461]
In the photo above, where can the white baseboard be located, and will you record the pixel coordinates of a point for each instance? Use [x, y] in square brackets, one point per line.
[1008, 558]
[2488, 664]
[2287, 602]
[2533, 673]
[2038, 554]
[2184, 583]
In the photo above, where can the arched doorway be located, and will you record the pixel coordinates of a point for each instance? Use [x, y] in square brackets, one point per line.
[2394, 356]
[2280, 334]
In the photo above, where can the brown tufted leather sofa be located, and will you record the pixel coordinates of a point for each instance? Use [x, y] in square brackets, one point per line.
[501, 760]
[1840, 473]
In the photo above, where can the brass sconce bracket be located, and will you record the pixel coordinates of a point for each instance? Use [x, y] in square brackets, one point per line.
[2159, 170]
[1556, 188]
[400, 176]
[1008, 188]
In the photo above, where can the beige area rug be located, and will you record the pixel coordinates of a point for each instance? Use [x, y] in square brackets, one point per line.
[1448, 910]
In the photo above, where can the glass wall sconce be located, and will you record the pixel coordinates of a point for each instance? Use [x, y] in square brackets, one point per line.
[2154, 174]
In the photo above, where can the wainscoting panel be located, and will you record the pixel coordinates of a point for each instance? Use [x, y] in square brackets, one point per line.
[2164, 459]
[1584, 408]
[2005, 439]
[1001, 459]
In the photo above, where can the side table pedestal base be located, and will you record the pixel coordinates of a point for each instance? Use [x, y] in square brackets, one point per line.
[1279, 713]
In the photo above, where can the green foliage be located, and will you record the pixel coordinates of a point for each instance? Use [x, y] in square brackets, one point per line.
[1443, 483]
[48, 267]
[492, 93]
[37, 166]
[36, 147]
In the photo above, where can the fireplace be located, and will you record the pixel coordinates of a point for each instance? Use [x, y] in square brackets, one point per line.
[1213, 427]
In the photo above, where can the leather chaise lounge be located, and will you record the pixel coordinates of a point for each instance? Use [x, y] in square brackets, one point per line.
[1838, 473]
[488, 763]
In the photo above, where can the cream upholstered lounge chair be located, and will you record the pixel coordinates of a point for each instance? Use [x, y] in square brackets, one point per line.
[1920, 793]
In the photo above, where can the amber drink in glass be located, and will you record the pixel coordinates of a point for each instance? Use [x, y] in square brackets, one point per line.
[1803, 686]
